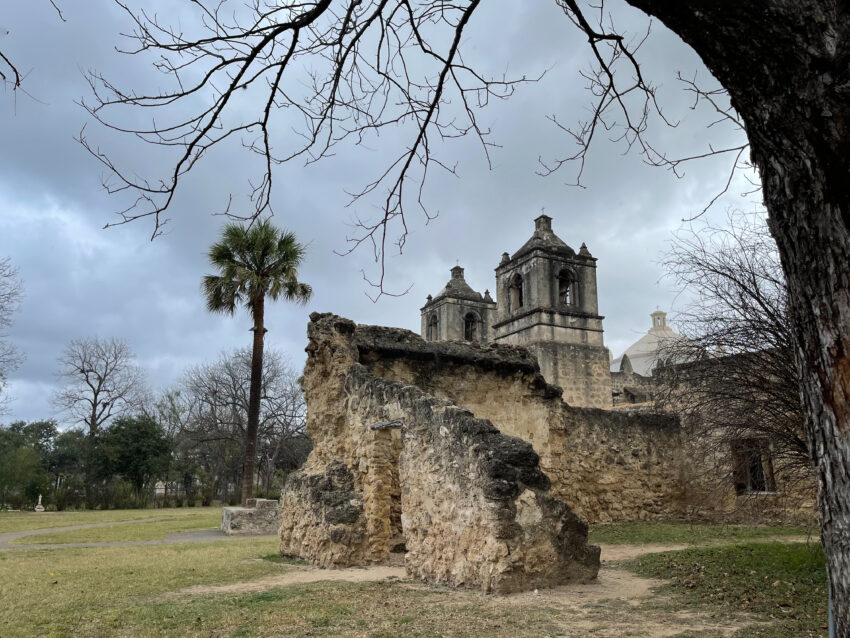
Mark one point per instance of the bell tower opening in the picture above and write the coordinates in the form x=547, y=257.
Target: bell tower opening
x=470, y=327
x=516, y=298
x=566, y=288
x=433, y=333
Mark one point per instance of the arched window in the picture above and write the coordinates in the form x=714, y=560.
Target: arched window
x=516, y=292
x=566, y=288
x=433, y=330
x=470, y=327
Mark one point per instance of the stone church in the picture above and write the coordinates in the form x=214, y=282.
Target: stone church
x=478, y=449
x=547, y=302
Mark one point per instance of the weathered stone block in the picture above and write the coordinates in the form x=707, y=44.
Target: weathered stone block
x=260, y=517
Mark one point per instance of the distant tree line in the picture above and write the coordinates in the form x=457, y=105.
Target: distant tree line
x=129, y=448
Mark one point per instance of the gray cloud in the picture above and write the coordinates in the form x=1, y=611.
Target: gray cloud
x=81, y=280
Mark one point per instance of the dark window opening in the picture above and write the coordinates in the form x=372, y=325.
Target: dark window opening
x=470, y=327
x=433, y=330
x=566, y=288
x=752, y=466
x=516, y=292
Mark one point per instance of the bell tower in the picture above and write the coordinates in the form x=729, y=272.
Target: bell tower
x=547, y=302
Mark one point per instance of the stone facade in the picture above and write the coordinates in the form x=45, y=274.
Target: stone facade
x=259, y=516
x=547, y=302
x=458, y=313
x=394, y=466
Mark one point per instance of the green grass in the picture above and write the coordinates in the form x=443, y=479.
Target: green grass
x=688, y=533
x=783, y=584
x=58, y=592
x=777, y=590
x=205, y=518
x=376, y=610
x=121, y=592
x=21, y=521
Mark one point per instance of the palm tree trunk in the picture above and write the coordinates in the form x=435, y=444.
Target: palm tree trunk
x=259, y=329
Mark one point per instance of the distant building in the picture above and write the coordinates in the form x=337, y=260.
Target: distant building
x=646, y=353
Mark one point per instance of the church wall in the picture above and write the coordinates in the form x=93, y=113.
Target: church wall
x=606, y=466
x=630, y=387
x=581, y=371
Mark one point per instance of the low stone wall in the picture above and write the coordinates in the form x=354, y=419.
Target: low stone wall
x=260, y=516
x=613, y=466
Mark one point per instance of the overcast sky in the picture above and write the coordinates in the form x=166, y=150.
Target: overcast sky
x=83, y=281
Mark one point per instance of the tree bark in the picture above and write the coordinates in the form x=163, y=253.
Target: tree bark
x=254, y=395
x=786, y=65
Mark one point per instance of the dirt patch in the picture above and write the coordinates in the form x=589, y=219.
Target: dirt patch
x=299, y=576
x=618, y=604
x=628, y=552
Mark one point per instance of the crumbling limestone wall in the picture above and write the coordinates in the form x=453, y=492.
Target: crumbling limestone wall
x=328, y=508
x=611, y=466
x=607, y=466
x=471, y=504
x=475, y=508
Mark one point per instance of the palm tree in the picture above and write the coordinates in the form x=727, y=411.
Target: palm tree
x=254, y=262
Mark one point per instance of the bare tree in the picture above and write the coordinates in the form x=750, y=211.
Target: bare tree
x=11, y=292
x=217, y=396
x=783, y=63
x=740, y=382
x=101, y=381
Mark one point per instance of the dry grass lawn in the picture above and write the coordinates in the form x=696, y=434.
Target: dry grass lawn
x=241, y=588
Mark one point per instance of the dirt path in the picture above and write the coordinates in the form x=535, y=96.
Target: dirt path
x=610, y=607
x=8, y=537
x=605, y=608
x=299, y=576
x=628, y=552
x=191, y=536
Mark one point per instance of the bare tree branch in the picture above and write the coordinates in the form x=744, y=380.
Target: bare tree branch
x=625, y=103
x=9, y=73
x=742, y=382
x=370, y=65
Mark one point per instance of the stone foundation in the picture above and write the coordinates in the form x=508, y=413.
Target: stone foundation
x=259, y=517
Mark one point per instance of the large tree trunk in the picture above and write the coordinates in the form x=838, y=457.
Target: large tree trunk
x=254, y=395
x=786, y=65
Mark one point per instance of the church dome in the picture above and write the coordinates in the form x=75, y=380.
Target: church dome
x=643, y=355
x=545, y=239
x=457, y=288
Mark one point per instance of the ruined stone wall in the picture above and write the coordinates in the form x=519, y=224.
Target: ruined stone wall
x=471, y=505
x=613, y=466
x=607, y=466
x=475, y=509
x=328, y=509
